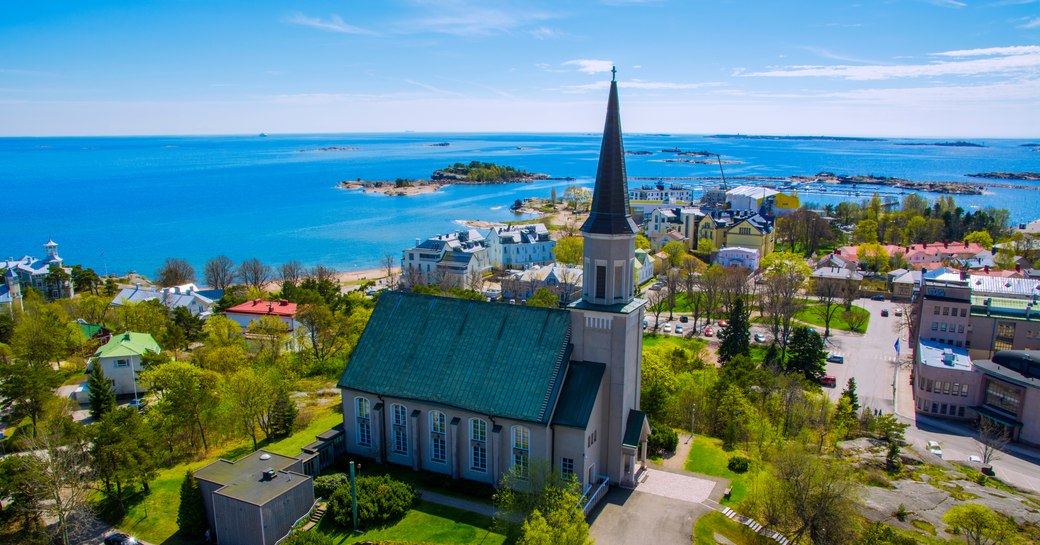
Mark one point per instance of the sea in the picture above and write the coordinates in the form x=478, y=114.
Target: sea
x=120, y=204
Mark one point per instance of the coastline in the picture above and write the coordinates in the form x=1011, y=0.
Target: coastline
x=390, y=189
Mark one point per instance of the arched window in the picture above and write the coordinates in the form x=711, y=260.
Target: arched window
x=478, y=443
x=438, y=444
x=364, y=422
x=521, y=451
x=400, y=425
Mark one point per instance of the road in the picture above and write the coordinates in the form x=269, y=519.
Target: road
x=869, y=357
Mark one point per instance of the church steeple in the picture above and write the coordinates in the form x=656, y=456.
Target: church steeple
x=610, y=214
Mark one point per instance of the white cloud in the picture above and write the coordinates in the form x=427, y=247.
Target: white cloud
x=460, y=18
x=947, y=3
x=334, y=24
x=996, y=60
x=591, y=66
x=1035, y=23
x=544, y=33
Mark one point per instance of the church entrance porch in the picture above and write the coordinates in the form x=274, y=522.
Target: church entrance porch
x=633, y=448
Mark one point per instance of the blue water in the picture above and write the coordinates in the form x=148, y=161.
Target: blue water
x=128, y=203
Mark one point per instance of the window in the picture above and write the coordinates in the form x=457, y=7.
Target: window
x=521, y=451
x=964, y=312
x=929, y=387
x=400, y=425
x=601, y=282
x=364, y=423
x=936, y=310
x=935, y=326
x=438, y=445
x=946, y=311
x=478, y=441
x=567, y=467
x=122, y=363
x=943, y=326
x=964, y=390
x=591, y=439
x=942, y=409
x=960, y=328
x=1003, y=396
x=946, y=388
x=960, y=410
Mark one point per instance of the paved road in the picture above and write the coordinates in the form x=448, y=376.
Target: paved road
x=629, y=516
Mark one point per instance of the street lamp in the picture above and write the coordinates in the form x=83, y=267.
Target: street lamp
x=353, y=492
x=693, y=422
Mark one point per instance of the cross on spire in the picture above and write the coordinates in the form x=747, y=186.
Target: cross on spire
x=613, y=73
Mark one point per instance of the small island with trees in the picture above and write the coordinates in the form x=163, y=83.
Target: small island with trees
x=473, y=173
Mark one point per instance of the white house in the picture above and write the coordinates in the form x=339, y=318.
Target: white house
x=251, y=311
x=198, y=302
x=564, y=281
x=452, y=258
x=33, y=272
x=736, y=256
x=644, y=267
x=120, y=360
x=520, y=246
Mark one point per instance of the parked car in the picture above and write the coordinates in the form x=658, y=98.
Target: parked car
x=645, y=324
x=884, y=313
x=684, y=319
x=121, y=539
x=934, y=448
x=898, y=311
x=760, y=337
x=813, y=331
x=708, y=332
x=829, y=381
x=835, y=358
x=667, y=328
x=975, y=459
x=678, y=329
x=878, y=298
x=723, y=323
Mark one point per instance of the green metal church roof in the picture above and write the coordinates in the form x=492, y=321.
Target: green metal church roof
x=128, y=344
x=494, y=359
x=579, y=394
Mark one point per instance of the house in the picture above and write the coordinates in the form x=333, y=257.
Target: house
x=834, y=259
x=563, y=281
x=846, y=281
x=452, y=259
x=735, y=256
x=121, y=361
x=671, y=194
x=251, y=311
x=199, y=302
x=745, y=229
x=904, y=284
x=256, y=499
x=932, y=255
x=473, y=390
x=682, y=221
x=520, y=246
x=33, y=272
x=644, y=267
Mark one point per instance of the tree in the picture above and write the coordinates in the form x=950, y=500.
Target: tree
x=283, y=414
x=85, y=280
x=562, y=525
x=642, y=243
x=544, y=298
x=828, y=295
x=175, y=272
x=42, y=336
x=191, y=513
x=856, y=318
x=873, y=257
x=783, y=275
x=393, y=272
x=570, y=250
x=811, y=497
x=189, y=323
x=186, y=393
x=850, y=393
x=121, y=449
x=251, y=395
x=145, y=317
x=300, y=537
x=327, y=333
x=292, y=273
x=736, y=337
x=806, y=354
x=102, y=394
x=57, y=279
x=269, y=333
x=866, y=232
x=255, y=273
x=982, y=238
x=676, y=252
x=980, y=525
x=540, y=487
x=219, y=272
x=656, y=301
x=58, y=458
x=577, y=197
x=993, y=437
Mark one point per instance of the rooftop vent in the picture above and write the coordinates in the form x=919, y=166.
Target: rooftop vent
x=269, y=474
x=948, y=356
x=265, y=456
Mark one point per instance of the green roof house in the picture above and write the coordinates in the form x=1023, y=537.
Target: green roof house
x=473, y=389
x=120, y=359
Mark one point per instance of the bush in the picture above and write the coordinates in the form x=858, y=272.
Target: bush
x=662, y=438
x=739, y=464
x=325, y=485
x=309, y=538
x=381, y=501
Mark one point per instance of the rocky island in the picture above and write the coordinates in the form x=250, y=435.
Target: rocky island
x=1029, y=176
x=956, y=144
x=951, y=188
x=474, y=173
x=330, y=148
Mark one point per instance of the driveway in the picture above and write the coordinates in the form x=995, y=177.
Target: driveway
x=631, y=516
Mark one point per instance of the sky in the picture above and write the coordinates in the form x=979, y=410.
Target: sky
x=911, y=68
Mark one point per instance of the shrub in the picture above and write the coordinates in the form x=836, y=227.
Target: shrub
x=309, y=538
x=325, y=485
x=381, y=500
x=662, y=438
x=901, y=513
x=739, y=464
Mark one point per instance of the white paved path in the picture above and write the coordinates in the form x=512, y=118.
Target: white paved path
x=676, y=486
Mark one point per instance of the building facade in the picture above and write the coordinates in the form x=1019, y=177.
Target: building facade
x=247, y=313
x=520, y=246
x=451, y=259
x=735, y=256
x=32, y=272
x=563, y=281
x=121, y=361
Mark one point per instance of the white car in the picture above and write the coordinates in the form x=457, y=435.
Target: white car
x=760, y=338
x=975, y=459
x=934, y=448
x=678, y=329
x=667, y=328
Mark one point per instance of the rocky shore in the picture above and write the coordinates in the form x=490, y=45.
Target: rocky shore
x=393, y=189
x=1029, y=176
x=950, y=188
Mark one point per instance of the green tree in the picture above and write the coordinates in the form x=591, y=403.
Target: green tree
x=283, y=414
x=570, y=250
x=57, y=278
x=980, y=525
x=873, y=257
x=676, y=252
x=544, y=298
x=145, y=317
x=111, y=287
x=187, y=394
x=300, y=537
x=812, y=497
x=85, y=280
x=982, y=238
x=736, y=337
x=191, y=513
x=866, y=232
x=327, y=333
x=122, y=449
x=102, y=394
x=642, y=243
x=850, y=393
x=251, y=396
x=806, y=354
x=561, y=524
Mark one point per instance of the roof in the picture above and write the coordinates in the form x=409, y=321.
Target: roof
x=609, y=214
x=259, y=307
x=521, y=234
x=128, y=344
x=243, y=478
x=1020, y=367
x=634, y=428
x=169, y=297
x=738, y=250
x=494, y=359
x=944, y=356
x=619, y=308
x=752, y=191
x=555, y=273
x=1014, y=287
x=908, y=277
x=838, y=273
x=578, y=394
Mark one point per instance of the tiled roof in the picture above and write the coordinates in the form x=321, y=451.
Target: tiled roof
x=259, y=307
x=128, y=344
x=578, y=394
x=494, y=359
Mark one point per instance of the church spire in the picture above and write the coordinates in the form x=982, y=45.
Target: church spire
x=610, y=215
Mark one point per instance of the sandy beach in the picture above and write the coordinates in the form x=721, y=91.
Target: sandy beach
x=365, y=274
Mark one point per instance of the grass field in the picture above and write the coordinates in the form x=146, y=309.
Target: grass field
x=708, y=457
x=153, y=516
x=706, y=527
x=811, y=316
x=425, y=523
x=670, y=341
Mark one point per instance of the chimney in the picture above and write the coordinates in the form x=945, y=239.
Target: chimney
x=985, y=268
x=946, y=245
x=137, y=285
x=964, y=274
x=417, y=242
x=283, y=302
x=1018, y=268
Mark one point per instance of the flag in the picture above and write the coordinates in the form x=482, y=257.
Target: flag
x=897, y=347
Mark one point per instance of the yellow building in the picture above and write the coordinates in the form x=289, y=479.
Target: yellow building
x=729, y=228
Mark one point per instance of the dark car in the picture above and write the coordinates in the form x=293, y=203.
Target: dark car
x=684, y=319
x=884, y=313
x=120, y=539
x=878, y=298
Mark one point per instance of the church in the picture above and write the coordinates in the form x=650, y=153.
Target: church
x=474, y=390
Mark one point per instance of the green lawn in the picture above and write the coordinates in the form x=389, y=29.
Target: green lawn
x=708, y=457
x=670, y=341
x=425, y=523
x=706, y=527
x=810, y=316
x=153, y=517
